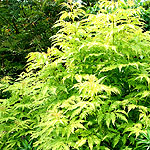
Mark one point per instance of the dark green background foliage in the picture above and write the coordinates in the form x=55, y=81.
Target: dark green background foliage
x=89, y=91
x=25, y=27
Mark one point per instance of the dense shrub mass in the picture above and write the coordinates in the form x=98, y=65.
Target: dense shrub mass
x=90, y=91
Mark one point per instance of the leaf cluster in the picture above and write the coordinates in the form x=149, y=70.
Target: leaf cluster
x=90, y=90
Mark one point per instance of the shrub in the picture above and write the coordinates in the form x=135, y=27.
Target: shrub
x=89, y=91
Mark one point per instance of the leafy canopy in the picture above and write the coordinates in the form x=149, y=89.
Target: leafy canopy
x=90, y=90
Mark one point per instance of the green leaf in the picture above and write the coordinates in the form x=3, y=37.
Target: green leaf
x=116, y=140
x=81, y=142
x=90, y=142
x=78, y=78
x=108, y=119
x=121, y=116
x=113, y=118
